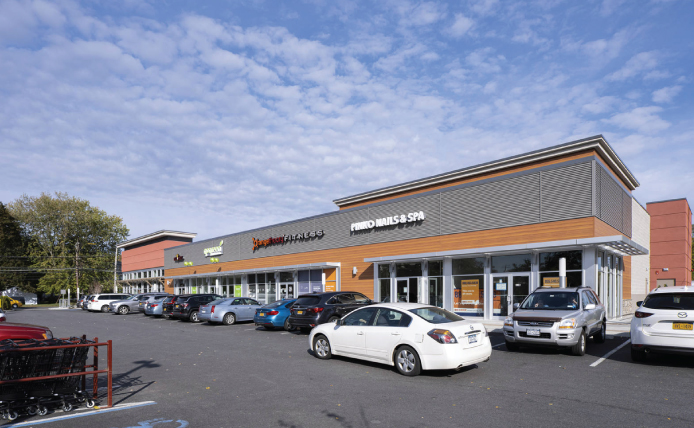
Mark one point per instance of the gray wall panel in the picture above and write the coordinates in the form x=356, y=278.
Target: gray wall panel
x=567, y=192
x=337, y=229
x=429, y=227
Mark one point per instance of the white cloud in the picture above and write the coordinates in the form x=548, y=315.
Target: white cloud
x=665, y=95
x=483, y=7
x=642, y=119
x=608, y=7
x=421, y=14
x=635, y=65
x=460, y=26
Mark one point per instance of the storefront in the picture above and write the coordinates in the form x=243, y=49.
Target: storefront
x=473, y=241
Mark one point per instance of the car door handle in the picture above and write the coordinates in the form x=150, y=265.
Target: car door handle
x=395, y=334
x=360, y=333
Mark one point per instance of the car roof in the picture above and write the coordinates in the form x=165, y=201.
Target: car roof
x=327, y=293
x=677, y=289
x=401, y=305
x=555, y=289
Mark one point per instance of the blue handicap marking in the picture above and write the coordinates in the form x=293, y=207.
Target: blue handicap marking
x=151, y=423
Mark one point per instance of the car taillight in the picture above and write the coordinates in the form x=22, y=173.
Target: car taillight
x=638, y=314
x=442, y=336
x=212, y=311
x=273, y=313
x=291, y=310
x=153, y=305
x=315, y=310
x=93, y=300
x=185, y=305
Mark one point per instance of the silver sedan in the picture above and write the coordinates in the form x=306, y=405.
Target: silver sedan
x=229, y=311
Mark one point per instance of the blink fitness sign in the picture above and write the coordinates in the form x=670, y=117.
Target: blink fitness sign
x=389, y=221
x=257, y=243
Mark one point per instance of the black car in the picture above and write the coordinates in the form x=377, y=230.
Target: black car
x=309, y=310
x=167, y=309
x=186, y=306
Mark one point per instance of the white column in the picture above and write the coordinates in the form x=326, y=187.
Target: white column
x=590, y=272
x=424, y=288
x=377, y=288
x=448, y=283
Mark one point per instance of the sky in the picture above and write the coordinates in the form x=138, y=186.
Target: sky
x=221, y=116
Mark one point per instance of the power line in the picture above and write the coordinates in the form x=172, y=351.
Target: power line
x=20, y=269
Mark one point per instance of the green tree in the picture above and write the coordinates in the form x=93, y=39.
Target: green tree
x=13, y=252
x=69, y=240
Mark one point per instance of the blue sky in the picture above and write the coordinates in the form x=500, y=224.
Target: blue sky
x=215, y=117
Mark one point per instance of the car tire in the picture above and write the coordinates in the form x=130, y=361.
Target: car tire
x=229, y=319
x=407, y=361
x=638, y=355
x=104, y=308
x=511, y=346
x=123, y=310
x=601, y=335
x=14, y=306
x=579, y=349
x=288, y=326
x=321, y=347
x=333, y=318
x=194, y=317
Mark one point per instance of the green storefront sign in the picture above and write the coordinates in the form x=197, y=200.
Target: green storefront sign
x=237, y=291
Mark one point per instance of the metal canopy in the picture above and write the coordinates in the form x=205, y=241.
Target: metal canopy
x=259, y=270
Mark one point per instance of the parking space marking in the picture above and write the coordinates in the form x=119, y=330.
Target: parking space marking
x=498, y=344
x=609, y=354
x=115, y=408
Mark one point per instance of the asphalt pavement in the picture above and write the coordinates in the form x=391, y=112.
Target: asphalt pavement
x=180, y=374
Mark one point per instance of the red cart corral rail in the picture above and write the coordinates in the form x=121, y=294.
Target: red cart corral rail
x=95, y=372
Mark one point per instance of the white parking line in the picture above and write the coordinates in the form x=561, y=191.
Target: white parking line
x=498, y=344
x=609, y=354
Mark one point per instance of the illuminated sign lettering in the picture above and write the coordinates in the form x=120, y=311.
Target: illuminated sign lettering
x=214, y=251
x=257, y=243
x=388, y=221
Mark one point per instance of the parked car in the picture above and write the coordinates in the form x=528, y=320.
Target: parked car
x=149, y=297
x=14, y=303
x=557, y=317
x=17, y=331
x=167, y=310
x=187, y=308
x=131, y=304
x=3, y=317
x=410, y=336
x=156, y=307
x=664, y=323
x=314, y=309
x=229, y=310
x=81, y=300
x=101, y=302
x=275, y=314
x=85, y=303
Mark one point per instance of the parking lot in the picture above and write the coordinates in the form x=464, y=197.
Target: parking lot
x=243, y=376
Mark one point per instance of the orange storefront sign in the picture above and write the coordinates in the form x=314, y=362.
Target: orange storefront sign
x=467, y=294
x=552, y=282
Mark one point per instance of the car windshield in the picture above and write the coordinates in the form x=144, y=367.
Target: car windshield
x=132, y=298
x=217, y=302
x=436, y=315
x=273, y=305
x=677, y=301
x=556, y=300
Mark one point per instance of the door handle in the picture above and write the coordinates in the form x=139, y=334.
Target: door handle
x=395, y=334
x=360, y=333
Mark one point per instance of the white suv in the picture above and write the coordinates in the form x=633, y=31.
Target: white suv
x=664, y=322
x=101, y=302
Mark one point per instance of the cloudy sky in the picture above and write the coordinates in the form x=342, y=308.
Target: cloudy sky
x=215, y=116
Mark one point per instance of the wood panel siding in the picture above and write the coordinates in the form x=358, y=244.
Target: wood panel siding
x=603, y=229
x=626, y=279
x=350, y=257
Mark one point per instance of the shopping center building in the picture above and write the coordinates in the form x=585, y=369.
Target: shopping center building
x=473, y=241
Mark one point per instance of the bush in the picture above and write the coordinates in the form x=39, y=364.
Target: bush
x=5, y=303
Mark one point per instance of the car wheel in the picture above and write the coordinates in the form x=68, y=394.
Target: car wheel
x=600, y=336
x=638, y=355
x=407, y=361
x=229, y=319
x=123, y=310
x=512, y=347
x=288, y=326
x=104, y=308
x=333, y=318
x=579, y=349
x=194, y=317
x=321, y=347
x=14, y=306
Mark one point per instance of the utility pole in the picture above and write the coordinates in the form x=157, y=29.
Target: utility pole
x=115, y=272
x=77, y=267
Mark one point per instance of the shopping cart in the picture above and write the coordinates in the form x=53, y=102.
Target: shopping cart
x=38, y=375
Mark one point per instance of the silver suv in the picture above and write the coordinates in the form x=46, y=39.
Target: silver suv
x=131, y=304
x=557, y=317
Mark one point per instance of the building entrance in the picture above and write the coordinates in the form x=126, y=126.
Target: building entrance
x=407, y=290
x=507, y=290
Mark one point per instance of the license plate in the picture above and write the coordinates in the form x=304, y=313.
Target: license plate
x=261, y=314
x=533, y=332
x=472, y=339
x=300, y=312
x=682, y=326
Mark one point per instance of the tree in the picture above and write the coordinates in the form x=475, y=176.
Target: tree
x=69, y=240
x=13, y=252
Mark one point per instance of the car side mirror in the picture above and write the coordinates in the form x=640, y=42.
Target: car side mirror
x=639, y=303
x=516, y=306
x=589, y=306
x=340, y=322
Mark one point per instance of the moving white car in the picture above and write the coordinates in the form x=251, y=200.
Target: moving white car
x=410, y=336
x=664, y=323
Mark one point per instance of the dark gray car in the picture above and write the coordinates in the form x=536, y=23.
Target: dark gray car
x=557, y=317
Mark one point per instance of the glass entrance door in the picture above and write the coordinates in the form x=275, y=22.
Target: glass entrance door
x=407, y=290
x=286, y=290
x=521, y=288
x=436, y=292
x=507, y=290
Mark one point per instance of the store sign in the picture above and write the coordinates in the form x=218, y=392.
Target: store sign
x=468, y=295
x=214, y=251
x=179, y=258
x=257, y=243
x=238, y=290
x=388, y=221
x=552, y=282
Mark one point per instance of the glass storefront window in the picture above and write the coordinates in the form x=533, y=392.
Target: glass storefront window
x=468, y=294
x=468, y=266
x=403, y=270
x=286, y=276
x=384, y=271
x=512, y=263
x=550, y=261
x=573, y=279
x=384, y=285
x=435, y=268
x=251, y=291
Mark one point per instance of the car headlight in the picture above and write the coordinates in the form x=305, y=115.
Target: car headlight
x=570, y=323
x=508, y=322
x=48, y=335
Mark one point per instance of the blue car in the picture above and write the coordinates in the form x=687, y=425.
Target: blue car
x=275, y=314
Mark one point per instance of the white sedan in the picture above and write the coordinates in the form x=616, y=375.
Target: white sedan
x=664, y=322
x=410, y=336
